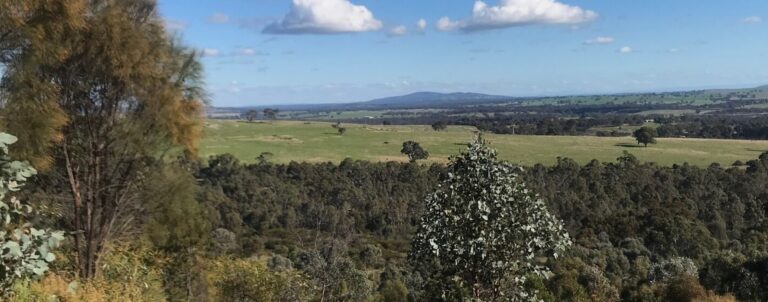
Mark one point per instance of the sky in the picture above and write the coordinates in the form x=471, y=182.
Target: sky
x=270, y=52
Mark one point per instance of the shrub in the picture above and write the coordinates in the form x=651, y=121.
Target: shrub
x=246, y=280
x=25, y=250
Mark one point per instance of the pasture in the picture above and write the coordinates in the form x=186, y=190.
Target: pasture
x=318, y=142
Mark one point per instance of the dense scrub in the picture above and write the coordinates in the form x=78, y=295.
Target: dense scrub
x=748, y=125
x=632, y=223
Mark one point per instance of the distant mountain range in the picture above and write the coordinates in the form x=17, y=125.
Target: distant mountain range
x=420, y=99
x=436, y=99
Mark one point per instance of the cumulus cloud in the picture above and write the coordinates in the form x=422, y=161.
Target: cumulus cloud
x=599, y=40
x=211, y=52
x=510, y=13
x=421, y=24
x=752, y=20
x=173, y=25
x=398, y=31
x=248, y=52
x=324, y=17
x=626, y=49
x=446, y=24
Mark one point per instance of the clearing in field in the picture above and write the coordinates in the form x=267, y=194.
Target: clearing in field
x=319, y=142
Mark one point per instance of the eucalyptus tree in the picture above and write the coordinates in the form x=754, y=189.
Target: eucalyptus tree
x=96, y=100
x=484, y=232
x=271, y=113
x=251, y=115
x=645, y=135
x=414, y=151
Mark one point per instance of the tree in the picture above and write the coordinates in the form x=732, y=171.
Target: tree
x=645, y=135
x=271, y=113
x=100, y=112
x=251, y=115
x=439, y=126
x=25, y=250
x=414, y=151
x=335, y=275
x=484, y=228
x=342, y=130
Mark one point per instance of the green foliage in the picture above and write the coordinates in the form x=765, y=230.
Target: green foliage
x=98, y=110
x=271, y=113
x=251, y=115
x=335, y=276
x=25, y=250
x=624, y=216
x=133, y=271
x=130, y=272
x=414, y=151
x=247, y=280
x=484, y=227
x=393, y=291
x=645, y=135
x=176, y=221
x=439, y=126
x=677, y=267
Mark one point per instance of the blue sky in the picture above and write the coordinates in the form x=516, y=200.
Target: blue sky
x=262, y=52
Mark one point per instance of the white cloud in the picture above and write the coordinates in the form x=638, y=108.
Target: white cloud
x=173, y=25
x=324, y=17
x=446, y=24
x=248, y=52
x=510, y=13
x=599, y=40
x=673, y=50
x=752, y=20
x=421, y=24
x=626, y=49
x=211, y=52
x=398, y=31
x=218, y=18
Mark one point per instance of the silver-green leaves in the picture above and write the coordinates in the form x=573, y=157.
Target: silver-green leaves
x=485, y=228
x=25, y=251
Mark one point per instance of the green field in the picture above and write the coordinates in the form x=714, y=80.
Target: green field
x=318, y=142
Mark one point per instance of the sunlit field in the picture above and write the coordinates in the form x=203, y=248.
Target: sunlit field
x=286, y=141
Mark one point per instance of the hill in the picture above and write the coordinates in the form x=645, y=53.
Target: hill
x=426, y=99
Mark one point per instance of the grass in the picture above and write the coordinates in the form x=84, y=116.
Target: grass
x=318, y=142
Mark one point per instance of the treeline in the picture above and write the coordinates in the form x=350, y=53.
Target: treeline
x=553, y=125
x=727, y=127
x=630, y=221
x=697, y=126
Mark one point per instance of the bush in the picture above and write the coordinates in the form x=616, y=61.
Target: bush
x=245, y=280
x=130, y=273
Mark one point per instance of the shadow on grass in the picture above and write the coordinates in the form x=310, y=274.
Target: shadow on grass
x=756, y=150
x=628, y=145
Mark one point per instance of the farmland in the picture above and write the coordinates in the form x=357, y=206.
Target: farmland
x=285, y=141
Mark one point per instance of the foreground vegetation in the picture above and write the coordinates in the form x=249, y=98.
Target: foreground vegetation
x=286, y=141
x=117, y=214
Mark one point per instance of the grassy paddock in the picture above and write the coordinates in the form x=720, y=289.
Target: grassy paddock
x=319, y=142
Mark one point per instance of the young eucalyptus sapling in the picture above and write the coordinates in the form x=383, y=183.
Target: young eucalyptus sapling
x=25, y=250
x=484, y=231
